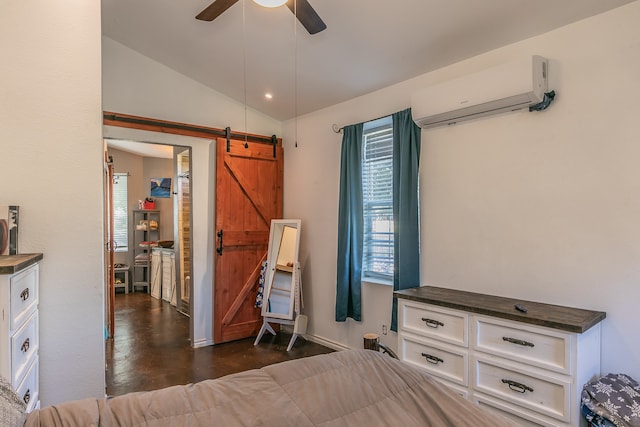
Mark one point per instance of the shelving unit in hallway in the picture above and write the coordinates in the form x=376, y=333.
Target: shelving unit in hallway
x=146, y=232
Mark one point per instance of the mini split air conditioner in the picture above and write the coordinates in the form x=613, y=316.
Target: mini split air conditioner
x=507, y=87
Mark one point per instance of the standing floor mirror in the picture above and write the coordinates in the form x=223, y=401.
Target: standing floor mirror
x=282, y=292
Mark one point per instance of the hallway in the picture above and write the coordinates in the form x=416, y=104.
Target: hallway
x=151, y=349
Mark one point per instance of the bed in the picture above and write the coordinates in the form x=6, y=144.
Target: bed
x=346, y=388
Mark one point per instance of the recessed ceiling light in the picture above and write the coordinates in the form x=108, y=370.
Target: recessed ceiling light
x=268, y=96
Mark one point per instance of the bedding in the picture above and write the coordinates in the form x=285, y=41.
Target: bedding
x=346, y=388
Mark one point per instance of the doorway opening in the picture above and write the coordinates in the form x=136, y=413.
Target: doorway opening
x=155, y=218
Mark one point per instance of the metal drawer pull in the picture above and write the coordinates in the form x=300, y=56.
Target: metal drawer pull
x=27, y=397
x=519, y=342
x=432, y=359
x=24, y=295
x=25, y=346
x=432, y=323
x=516, y=386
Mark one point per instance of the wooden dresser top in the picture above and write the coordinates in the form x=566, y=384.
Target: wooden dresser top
x=552, y=316
x=10, y=264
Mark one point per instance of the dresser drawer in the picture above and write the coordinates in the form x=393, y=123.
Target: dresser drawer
x=521, y=416
x=24, y=295
x=24, y=348
x=28, y=389
x=529, y=344
x=442, y=360
x=435, y=322
x=523, y=386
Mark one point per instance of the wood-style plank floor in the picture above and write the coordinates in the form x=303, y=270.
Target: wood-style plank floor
x=151, y=349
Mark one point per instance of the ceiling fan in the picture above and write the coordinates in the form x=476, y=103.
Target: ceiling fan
x=301, y=8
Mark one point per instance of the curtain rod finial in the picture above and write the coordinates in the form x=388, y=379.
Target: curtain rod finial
x=336, y=129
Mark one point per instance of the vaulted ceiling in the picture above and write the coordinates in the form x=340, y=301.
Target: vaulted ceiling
x=250, y=50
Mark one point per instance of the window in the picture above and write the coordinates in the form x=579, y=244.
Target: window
x=120, y=212
x=377, y=193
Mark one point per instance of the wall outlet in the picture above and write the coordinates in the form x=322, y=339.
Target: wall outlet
x=384, y=329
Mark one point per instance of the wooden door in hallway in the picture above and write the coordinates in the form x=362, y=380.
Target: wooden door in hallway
x=248, y=196
x=110, y=291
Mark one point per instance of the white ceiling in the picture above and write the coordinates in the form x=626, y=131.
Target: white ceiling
x=367, y=45
x=143, y=149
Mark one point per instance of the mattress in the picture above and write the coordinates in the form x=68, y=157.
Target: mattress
x=347, y=388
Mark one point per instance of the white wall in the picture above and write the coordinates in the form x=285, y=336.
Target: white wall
x=135, y=84
x=51, y=165
x=539, y=206
x=159, y=168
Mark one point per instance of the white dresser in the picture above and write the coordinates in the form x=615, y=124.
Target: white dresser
x=530, y=366
x=19, y=277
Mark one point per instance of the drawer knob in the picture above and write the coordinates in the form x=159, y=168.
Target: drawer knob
x=25, y=346
x=24, y=295
x=516, y=386
x=432, y=323
x=519, y=342
x=27, y=396
x=432, y=359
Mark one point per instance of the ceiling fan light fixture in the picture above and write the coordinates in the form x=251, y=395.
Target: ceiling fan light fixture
x=270, y=3
x=300, y=8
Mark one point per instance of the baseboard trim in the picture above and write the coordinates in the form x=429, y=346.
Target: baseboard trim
x=202, y=343
x=326, y=342
x=309, y=337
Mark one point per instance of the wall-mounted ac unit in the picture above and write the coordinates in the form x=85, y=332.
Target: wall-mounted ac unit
x=506, y=87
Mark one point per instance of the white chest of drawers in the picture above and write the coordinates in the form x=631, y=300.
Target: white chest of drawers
x=19, y=279
x=529, y=366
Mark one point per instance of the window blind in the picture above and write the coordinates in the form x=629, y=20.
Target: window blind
x=120, y=212
x=377, y=186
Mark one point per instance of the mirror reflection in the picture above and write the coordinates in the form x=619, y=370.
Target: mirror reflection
x=281, y=260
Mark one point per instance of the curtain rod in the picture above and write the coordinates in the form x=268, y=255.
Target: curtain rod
x=337, y=129
x=194, y=128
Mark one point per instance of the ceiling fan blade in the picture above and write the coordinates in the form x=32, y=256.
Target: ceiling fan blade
x=306, y=15
x=215, y=9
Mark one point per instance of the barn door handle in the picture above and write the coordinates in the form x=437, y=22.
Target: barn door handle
x=219, y=248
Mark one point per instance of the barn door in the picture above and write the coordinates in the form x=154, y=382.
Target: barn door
x=248, y=197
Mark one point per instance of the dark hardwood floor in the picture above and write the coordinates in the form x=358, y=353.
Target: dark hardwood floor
x=151, y=349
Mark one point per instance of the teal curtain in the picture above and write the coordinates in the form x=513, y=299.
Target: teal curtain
x=350, y=227
x=406, y=206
